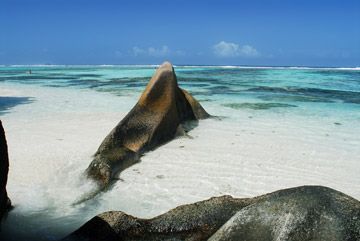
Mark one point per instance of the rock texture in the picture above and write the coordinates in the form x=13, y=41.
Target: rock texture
x=305, y=213
x=4, y=168
x=154, y=120
x=302, y=213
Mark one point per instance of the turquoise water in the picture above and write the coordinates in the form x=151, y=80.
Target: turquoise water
x=282, y=127
x=232, y=87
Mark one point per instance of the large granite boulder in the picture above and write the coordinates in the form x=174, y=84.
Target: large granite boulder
x=301, y=213
x=5, y=203
x=305, y=213
x=154, y=120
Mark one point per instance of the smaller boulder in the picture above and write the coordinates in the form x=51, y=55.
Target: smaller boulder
x=196, y=221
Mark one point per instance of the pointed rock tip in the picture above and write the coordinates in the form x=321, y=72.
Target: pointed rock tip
x=166, y=65
x=161, y=82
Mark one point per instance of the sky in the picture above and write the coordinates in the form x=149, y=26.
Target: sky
x=212, y=32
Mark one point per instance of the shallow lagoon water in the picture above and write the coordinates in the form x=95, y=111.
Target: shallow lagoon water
x=279, y=128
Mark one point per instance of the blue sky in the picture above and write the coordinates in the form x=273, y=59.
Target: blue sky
x=224, y=32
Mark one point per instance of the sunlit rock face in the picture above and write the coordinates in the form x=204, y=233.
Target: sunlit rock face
x=154, y=120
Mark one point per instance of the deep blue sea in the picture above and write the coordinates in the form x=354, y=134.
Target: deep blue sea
x=279, y=127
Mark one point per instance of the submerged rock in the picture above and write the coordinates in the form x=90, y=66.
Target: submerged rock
x=301, y=213
x=257, y=106
x=5, y=203
x=154, y=120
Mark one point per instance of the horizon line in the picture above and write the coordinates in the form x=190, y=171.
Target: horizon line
x=187, y=65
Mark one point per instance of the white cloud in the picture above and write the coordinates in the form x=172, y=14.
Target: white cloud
x=154, y=52
x=227, y=49
x=137, y=51
x=248, y=50
x=164, y=50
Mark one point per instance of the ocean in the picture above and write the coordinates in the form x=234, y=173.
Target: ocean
x=276, y=127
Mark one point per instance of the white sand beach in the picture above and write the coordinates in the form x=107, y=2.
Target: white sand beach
x=51, y=142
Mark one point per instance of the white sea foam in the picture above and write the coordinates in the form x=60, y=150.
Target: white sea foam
x=268, y=67
x=289, y=67
x=347, y=68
